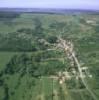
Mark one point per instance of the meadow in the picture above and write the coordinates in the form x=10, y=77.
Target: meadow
x=27, y=68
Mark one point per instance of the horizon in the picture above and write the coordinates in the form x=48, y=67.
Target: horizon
x=75, y=9
x=63, y=4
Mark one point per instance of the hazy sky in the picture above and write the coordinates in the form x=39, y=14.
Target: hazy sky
x=82, y=4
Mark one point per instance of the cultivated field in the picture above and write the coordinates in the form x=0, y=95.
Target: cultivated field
x=32, y=65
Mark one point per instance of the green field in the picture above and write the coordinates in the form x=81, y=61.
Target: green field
x=29, y=70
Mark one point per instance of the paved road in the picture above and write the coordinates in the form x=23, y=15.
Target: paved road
x=81, y=75
x=68, y=48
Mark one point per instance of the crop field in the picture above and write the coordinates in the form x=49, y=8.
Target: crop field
x=35, y=62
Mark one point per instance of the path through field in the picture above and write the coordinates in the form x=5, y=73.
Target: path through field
x=68, y=48
x=55, y=90
x=81, y=75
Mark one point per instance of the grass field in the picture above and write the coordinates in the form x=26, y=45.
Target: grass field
x=22, y=85
x=4, y=58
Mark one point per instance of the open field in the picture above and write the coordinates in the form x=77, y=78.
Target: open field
x=29, y=70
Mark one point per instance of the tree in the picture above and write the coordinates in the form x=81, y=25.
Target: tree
x=6, y=92
x=52, y=39
x=38, y=27
x=59, y=27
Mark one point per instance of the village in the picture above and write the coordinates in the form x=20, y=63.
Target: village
x=74, y=71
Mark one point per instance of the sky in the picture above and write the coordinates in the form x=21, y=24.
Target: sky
x=69, y=4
